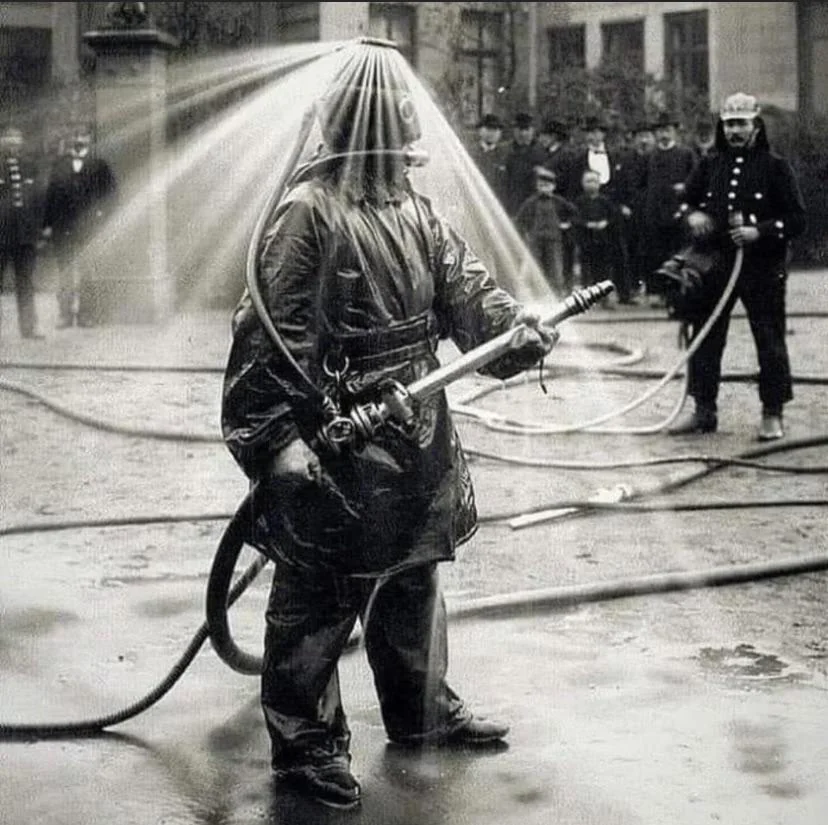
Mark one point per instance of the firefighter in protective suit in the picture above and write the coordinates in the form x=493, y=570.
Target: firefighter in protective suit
x=361, y=279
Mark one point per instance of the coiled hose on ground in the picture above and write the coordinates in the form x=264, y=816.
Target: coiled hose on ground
x=222, y=592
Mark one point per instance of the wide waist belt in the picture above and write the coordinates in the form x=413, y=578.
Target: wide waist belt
x=383, y=346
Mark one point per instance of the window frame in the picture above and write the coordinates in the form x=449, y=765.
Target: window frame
x=610, y=26
x=577, y=29
x=681, y=63
x=387, y=13
x=484, y=57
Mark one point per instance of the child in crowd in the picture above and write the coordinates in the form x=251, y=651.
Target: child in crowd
x=596, y=223
x=543, y=219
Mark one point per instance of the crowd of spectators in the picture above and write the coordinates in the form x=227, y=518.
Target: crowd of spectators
x=594, y=202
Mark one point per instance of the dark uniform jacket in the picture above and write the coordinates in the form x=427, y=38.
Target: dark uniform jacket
x=21, y=200
x=366, y=287
x=756, y=182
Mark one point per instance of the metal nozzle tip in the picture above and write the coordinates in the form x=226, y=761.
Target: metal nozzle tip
x=377, y=41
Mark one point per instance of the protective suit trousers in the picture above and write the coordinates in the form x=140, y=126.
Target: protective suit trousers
x=762, y=292
x=309, y=619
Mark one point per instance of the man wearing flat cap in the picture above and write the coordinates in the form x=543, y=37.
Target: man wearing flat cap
x=744, y=196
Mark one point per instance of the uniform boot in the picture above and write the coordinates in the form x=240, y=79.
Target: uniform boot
x=702, y=420
x=770, y=428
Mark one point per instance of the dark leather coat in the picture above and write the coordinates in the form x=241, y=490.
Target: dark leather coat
x=370, y=284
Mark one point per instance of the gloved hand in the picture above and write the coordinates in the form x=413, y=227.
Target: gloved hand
x=296, y=462
x=297, y=471
x=700, y=224
x=534, y=334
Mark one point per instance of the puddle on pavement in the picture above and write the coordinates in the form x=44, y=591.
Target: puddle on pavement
x=745, y=663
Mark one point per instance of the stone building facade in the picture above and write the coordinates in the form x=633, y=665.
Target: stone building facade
x=473, y=54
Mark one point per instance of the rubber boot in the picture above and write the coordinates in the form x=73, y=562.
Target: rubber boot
x=702, y=420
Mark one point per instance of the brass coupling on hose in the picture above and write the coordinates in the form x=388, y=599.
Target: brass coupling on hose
x=360, y=424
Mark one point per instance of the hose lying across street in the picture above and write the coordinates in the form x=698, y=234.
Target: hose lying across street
x=222, y=591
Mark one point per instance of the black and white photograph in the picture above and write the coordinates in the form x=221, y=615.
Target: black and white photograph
x=413, y=413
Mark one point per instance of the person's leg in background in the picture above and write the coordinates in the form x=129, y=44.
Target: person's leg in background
x=24, y=257
x=67, y=290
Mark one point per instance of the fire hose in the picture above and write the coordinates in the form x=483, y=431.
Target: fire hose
x=350, y=429
x=507, y=425
x=398, y=403
x=221, y=595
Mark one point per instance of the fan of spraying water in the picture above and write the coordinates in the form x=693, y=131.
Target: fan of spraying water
x=374, y=120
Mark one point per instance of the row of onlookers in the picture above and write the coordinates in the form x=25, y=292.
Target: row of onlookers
x=606, y=211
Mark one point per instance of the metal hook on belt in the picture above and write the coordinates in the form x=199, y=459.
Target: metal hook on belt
x=338, y=373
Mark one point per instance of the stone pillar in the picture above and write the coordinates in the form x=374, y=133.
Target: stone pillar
x=132, y=282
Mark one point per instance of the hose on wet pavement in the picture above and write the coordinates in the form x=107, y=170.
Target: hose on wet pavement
x=222, y=593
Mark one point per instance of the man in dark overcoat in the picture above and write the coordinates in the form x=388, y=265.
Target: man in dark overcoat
x=668, y=166
x=524, y=155
x=80, y=197
x=489, y=153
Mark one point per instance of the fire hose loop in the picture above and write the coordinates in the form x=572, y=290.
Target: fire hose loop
x=513, y=426
x=221, y=596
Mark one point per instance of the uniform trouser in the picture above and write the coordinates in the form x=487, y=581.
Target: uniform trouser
x=762, y=292
x=568, y=248
x=309, y=619
x=74, y=295
x=596, y=262
x=22, y=257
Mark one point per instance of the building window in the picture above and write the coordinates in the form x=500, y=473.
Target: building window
x=298, y=22
x=686, y=51
x=397, y=22
x=622, y=44
x=25, y=64
x=567, y=47
x=480, y=55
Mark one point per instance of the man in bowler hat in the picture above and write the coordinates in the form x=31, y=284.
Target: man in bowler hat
x=525, y=153
x=489, y=153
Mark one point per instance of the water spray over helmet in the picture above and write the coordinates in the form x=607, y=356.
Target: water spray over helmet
x=368, y=107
